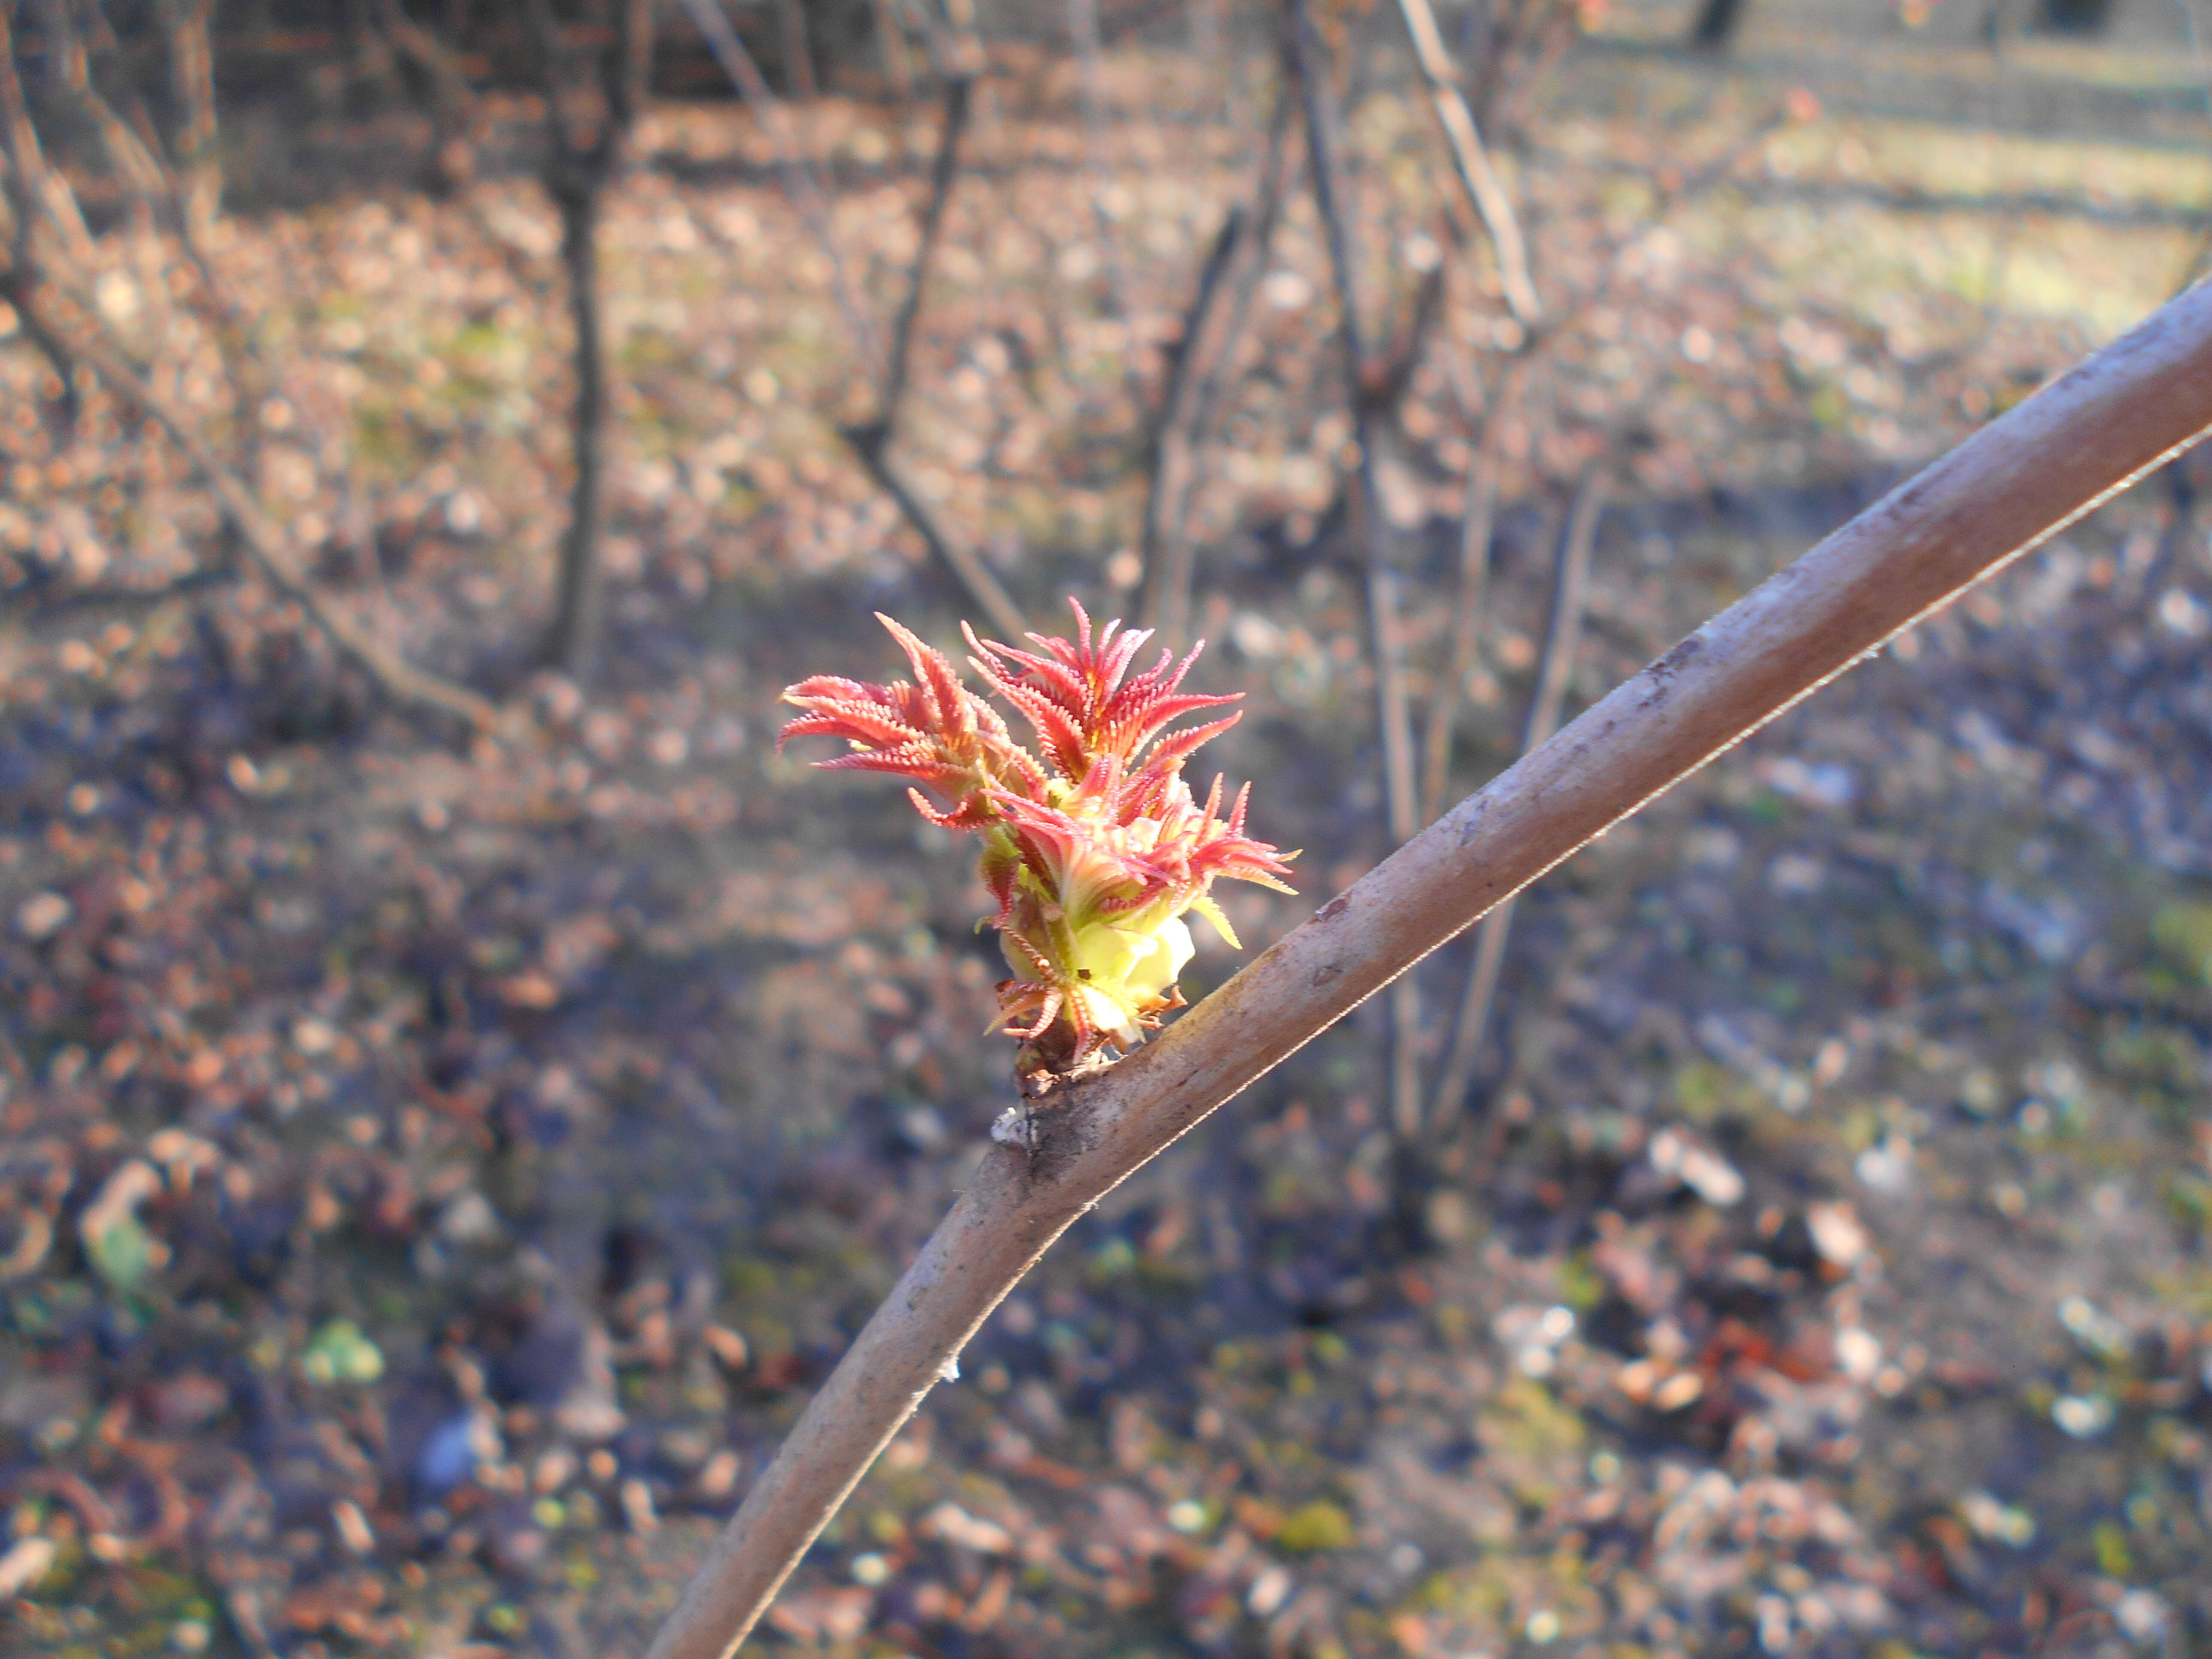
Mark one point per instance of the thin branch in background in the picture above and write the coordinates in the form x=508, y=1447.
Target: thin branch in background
x=1169, y=572
x=1478, y=525
x=584, y=156
x=33, y=191
x=1168, y=451
x=2004, y=491
x=46, y=189
x=267, y=546
x=185, y=23
x=944, y=172
x=890, y=41
x=38, y=196
x=1393, y=713
x=1569, y=584
x=798, y=181
x=1083, y=31
x=1471, y=161
x=452, y=101
x=797, y=55
x=939, y=46
x=147, y=183
x=1323, y=144
x=871, y=439
x=1390, y=378
x=135, y=168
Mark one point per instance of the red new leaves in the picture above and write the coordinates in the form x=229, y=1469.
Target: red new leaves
x=1095, y=854
x=937, y=730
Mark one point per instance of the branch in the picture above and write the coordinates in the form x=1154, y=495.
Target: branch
x=870, y=443
x=452, y=100
x=140, y=174
x=1083, y=35
x=1570, y=578
x=266, y=546
x=871, y=439
x=798, y=182
x=26, y=162
x=1478, y=523
x=1168, y=597
x=798, y=58
x=1323, y=145
x=2021, y=478
x=30, y=191
x=191, y=69
x=1169, y=447
x=898, y=69
x=945, y=169
x=1471, y=161
x=1393, y=712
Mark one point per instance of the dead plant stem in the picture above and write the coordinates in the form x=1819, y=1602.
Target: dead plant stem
x=798, y=180
x=1471, y=162
x=1324, y=157
x=1477, y=528
x=870, y=440
x=1555, y=674
x=1168, y=450
x=1172, y=574
x=268, y=549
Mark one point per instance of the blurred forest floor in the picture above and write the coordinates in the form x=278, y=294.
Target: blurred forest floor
x=433, y=1179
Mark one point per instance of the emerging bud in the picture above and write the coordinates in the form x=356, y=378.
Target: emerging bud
x=1096, y=853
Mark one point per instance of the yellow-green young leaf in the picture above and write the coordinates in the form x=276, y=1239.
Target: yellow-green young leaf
x=1204, y=905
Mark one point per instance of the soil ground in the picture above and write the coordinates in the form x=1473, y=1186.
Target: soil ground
x=434, y=1176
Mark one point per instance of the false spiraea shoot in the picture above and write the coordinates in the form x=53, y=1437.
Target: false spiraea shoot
x=1093, y=845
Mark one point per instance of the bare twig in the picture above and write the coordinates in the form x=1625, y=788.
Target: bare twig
x=890, y=41
x=1169, y=449
x=1553, y=674
x=1477, y=528
x=42, y=186
x=199, y=163
x=1322, y=147
x=270, y=550
x=798, y=55
x=33, y=191
x=38, y=195
x=965, y=48
x=2022, y=477
x=1471, y=161
x=982, y=585
x=1393, y=712
x=586, y=141
x=871, y=439
x=452, y=100
x=1169, y=572
x=19, y=288
x=798, y=180
x=135, y=167
x=1082, y=32
x=945, y=170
